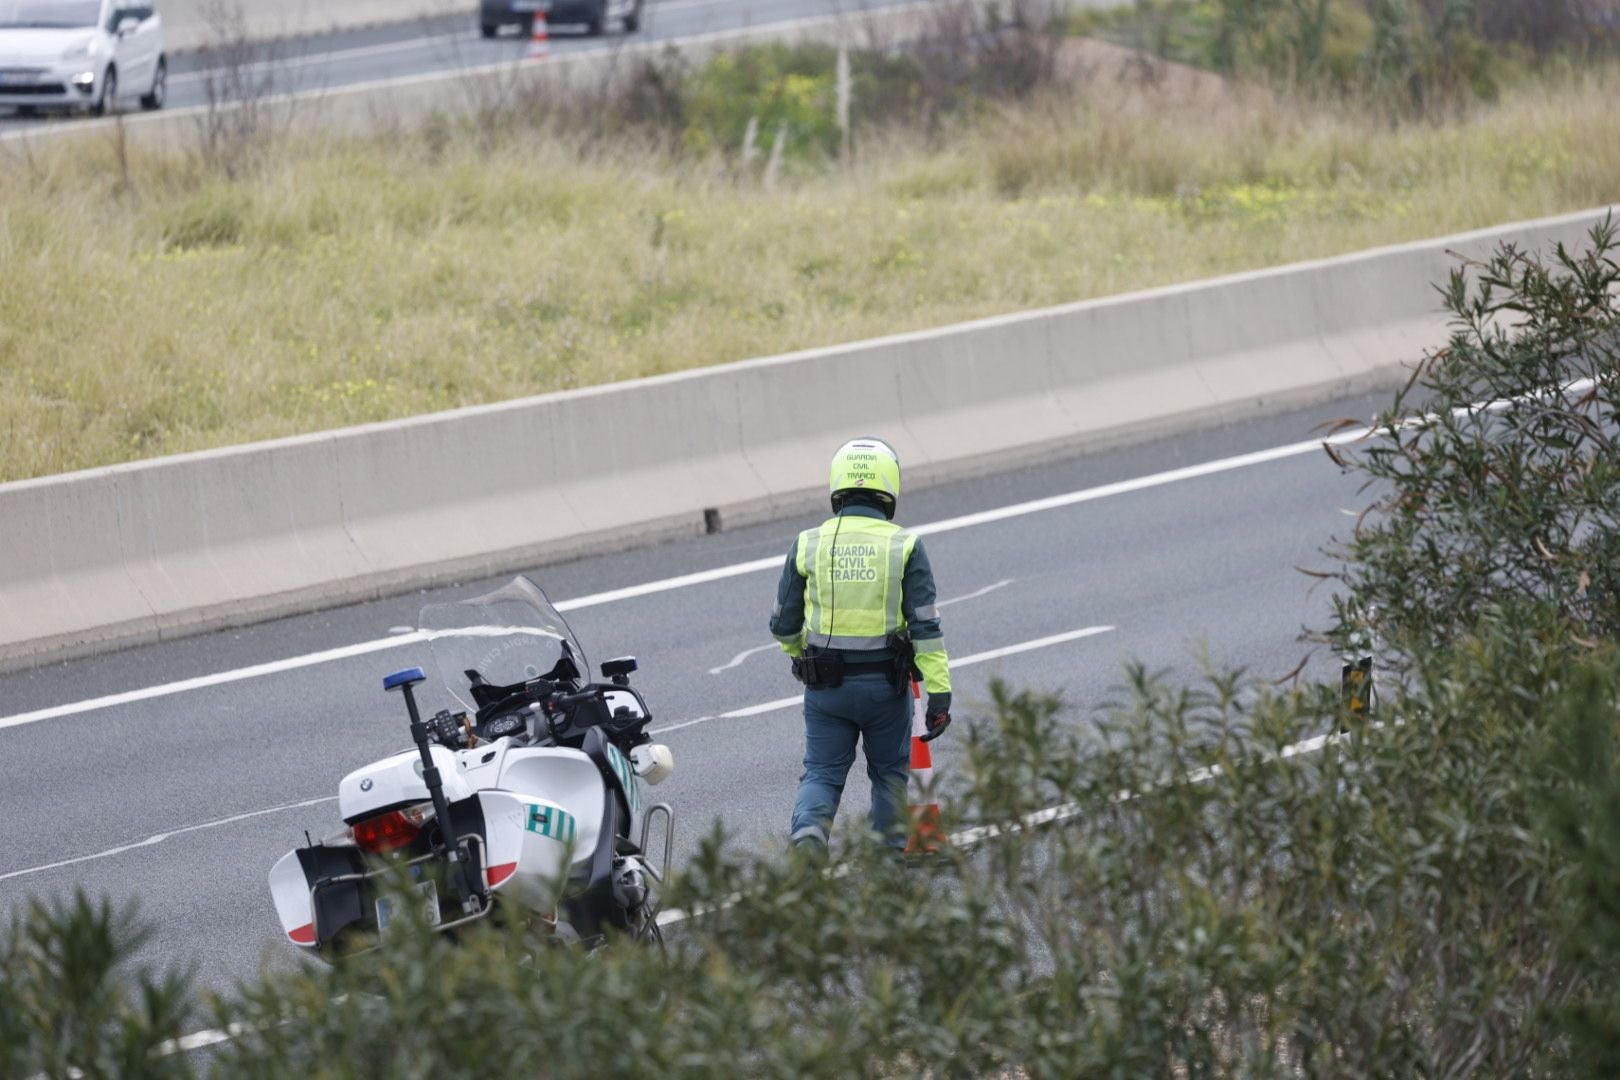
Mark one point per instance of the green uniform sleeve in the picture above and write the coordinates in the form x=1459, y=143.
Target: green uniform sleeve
x=787, y=617
x=917, y=605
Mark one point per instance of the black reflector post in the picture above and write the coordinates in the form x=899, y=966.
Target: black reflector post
x=1356, y=689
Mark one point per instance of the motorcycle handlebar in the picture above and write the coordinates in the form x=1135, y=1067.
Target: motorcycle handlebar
x=568, y=701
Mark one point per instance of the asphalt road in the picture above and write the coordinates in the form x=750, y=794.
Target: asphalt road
x=322, y=63
x=185, y=799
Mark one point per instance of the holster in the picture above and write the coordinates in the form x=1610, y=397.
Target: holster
x=819, y=671
x=905, y=660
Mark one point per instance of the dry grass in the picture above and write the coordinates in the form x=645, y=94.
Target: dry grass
x=357, y=281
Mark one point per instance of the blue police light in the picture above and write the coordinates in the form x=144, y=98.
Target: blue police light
x=404, y=678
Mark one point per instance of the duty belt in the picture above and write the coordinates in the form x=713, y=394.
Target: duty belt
x=826, y=671
x=870, y=667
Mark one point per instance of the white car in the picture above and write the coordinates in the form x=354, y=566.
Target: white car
x=80, y=55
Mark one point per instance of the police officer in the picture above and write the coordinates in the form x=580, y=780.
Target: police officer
x=855, y=611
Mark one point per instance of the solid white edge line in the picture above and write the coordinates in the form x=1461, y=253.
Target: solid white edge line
x=273, y=667
x=751, y=710
x=682, y=581
x=702, y=577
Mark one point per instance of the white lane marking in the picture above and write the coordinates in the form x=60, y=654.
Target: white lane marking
x=682, y=581
x=966, y=661
x=271, y=668
x=158, y=838
x=737, y=660
x=1140, y=483
x=402, y=629
x=966, y=521
x=735, y=714
x=1029, y=646
x=986, y=591
x=704, y=577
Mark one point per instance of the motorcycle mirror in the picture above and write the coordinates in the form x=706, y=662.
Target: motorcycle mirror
x=619, y=670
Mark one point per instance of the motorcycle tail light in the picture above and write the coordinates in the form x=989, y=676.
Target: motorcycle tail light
x=385, y=832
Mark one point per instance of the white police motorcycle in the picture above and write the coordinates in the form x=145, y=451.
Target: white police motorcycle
x=524, y=800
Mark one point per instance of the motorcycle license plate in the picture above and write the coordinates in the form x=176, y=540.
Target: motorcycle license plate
x=430, y=905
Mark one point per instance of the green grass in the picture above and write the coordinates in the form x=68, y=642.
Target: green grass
x=344, y=282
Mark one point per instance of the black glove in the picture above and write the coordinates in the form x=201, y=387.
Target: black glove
x=937, y=717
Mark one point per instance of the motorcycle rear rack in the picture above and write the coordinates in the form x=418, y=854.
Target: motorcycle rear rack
x=470, y=841
x=659, y=873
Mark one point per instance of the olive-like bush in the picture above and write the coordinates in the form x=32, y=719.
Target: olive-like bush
x=1221, y=879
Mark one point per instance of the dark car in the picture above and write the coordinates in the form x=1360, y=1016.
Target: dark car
x=592, y=14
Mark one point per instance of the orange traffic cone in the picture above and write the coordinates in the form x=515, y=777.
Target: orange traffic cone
x=540, y=39
x=926, y=831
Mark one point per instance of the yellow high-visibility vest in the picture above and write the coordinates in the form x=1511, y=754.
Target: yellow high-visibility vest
x=853, y=567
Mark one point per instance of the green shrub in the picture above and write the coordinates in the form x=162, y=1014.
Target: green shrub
x=71, y=1002
x=951, y=69
x=1222, y=879
x=1410, y=55
x=1484, y=510
x=1583, y=815
x=1216, y=898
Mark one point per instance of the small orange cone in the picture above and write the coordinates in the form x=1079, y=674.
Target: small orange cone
x=926, y=831
x=540, y=39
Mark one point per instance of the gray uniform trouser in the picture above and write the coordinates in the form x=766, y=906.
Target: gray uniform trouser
x=868, y=709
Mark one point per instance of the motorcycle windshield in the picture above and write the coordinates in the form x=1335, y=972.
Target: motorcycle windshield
x=509, y=636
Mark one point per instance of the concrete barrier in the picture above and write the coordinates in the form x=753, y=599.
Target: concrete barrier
x=162, y=548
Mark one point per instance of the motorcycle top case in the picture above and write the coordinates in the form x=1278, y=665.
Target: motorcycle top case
x=396, y=782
